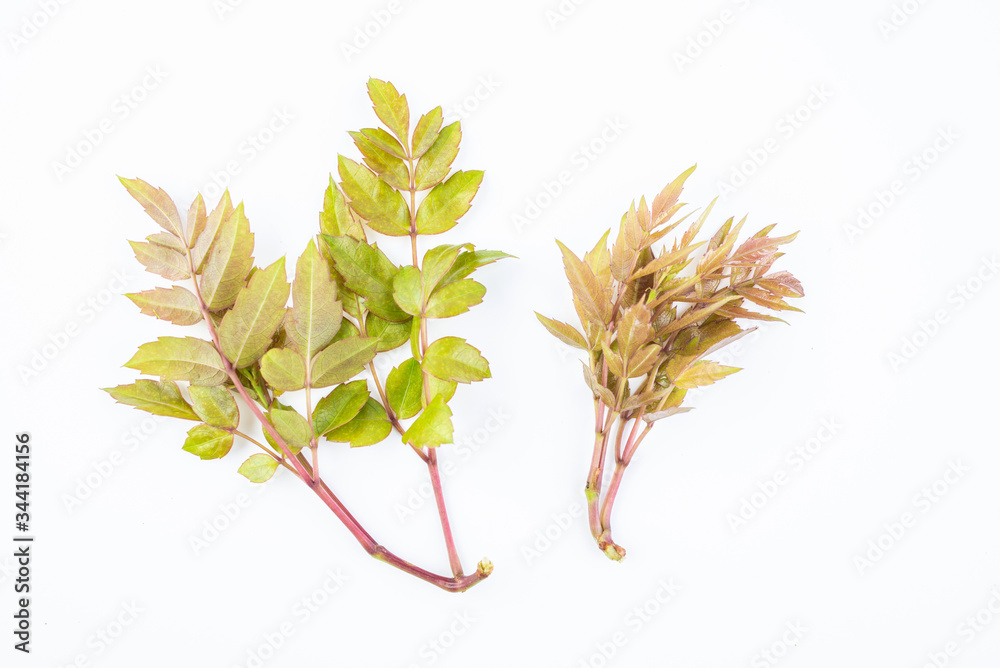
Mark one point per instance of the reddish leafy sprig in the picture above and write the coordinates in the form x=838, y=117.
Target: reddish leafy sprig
x=350, y=302
x=649, y=319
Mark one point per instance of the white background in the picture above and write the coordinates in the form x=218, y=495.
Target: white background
x=531, y=91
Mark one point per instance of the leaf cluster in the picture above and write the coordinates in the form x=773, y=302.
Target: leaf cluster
x=651, y=312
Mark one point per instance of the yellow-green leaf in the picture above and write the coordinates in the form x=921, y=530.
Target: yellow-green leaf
x=215, y=406
x=228, y=262
x=157, y=204
x=390, y=107
x=247, y=329
x=454, y=298
x=703, y=373
x=292, y=427
x=436, y=386
x=340, y=406
x=315, y=316
x=219, y=215
x=433, y=166
x=390, y=335
x=174, y=358
x=447, y=202
x=342, y=360
x=368, y=272
x=452, y=359
x=407, y=290
x=208, y=442
x=258, y=467
x=283, y=369
x=177, y=305
x=153, y=396
x=371, y=425
x=157, y=259
x=335, y=219
x=404, y=389
x=426, y=132
x=433, y=427
x=374, y=199
x=196, y=219
x=389, y=167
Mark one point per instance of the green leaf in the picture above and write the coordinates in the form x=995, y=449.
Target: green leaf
x=291, y=426
x=374, y=199
x=703, y=373
x=433, y=427
x=367, y=271
x=174, y=358
x=258, y=467
x=315, y=316
x=347, y=330
x=390, y=335
x=247, y=329
x=437, y=262
x=283, y=369
x=335, y=219
x=436, y=386
x=468, y=262
x=565, y=333
x=177, y=305
x=404, y=389
x=228, y=262
x=215, y=406
x=340, y=406
x=368, y=427
x=451, y=358
x=390, y=107
x=455, y=298
x=384, y=141
x=408, y=291
x=435, y=163
x=390, y=168
x=196, y=219
x=591, y=298
x=447, y=202
x=427, y=131
x=342, y=360
x=208, y=442
x=153, y=396
x=161, y=260
x=219, y=215
x=157, y=204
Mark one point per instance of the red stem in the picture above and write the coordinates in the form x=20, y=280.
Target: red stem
x=314, y=482
x=606, y=543
x=432, y=466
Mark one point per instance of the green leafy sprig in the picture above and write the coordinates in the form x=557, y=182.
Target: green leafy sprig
x=350, y=302
x=650, y=319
